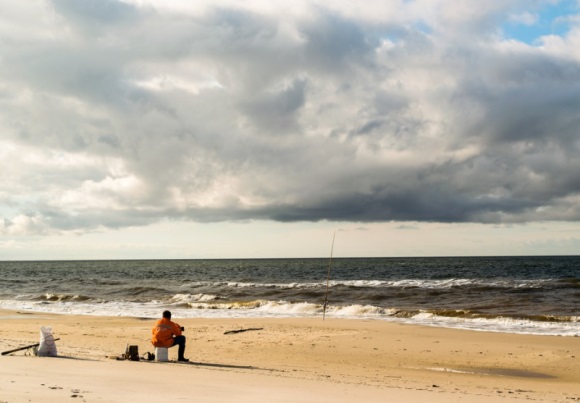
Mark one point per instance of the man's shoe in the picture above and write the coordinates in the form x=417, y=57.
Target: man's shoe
x=183, y=360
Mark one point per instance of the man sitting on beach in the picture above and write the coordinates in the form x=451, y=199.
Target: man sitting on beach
x=166, y=333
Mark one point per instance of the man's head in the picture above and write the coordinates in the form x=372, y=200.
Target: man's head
x=167, y=314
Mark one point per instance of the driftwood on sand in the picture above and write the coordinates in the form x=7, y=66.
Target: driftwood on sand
x=243, y=330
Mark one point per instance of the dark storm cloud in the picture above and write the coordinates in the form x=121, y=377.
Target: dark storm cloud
x=275, y=112
x=129, y=114
x=331, y=43
x=83, y=12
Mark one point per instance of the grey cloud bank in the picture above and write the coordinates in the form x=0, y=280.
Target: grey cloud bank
x=122, y=114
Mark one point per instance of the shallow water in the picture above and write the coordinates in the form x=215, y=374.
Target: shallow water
x=538, y=295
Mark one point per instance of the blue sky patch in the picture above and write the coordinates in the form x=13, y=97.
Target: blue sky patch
x=548, y=20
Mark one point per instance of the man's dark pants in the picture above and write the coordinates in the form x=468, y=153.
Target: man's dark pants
x=180, y=341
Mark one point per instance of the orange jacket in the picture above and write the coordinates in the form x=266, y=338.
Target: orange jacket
x=163, y=332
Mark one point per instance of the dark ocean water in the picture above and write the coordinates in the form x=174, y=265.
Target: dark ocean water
x=539, y=295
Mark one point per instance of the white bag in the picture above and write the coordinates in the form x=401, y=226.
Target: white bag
x=47, y=346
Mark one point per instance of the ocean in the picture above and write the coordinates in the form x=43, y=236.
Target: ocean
x=529, y=295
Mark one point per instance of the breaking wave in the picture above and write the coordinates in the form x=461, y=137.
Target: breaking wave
x=61, y=297
x=207, y=306
x=404, y=283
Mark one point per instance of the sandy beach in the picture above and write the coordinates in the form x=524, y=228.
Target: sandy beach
x=284, y=360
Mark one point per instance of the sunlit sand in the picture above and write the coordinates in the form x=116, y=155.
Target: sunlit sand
x=285, y=360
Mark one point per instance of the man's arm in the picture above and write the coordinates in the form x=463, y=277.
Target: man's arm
x=176, y=329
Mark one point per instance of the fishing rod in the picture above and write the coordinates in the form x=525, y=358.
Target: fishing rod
x=23, y=348
x=328, y=278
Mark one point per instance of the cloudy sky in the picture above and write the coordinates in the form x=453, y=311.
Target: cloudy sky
x=259, y=128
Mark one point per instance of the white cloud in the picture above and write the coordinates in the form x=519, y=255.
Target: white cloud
x=525, y=18
x=120, y=114
x=22, y=225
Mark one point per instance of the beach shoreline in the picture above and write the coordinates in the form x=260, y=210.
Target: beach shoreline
x=289, y=359
x=527, y=295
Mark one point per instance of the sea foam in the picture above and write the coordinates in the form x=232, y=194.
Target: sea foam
x=282, y=309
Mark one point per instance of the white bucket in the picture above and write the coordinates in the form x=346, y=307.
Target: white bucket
x=161, y=354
